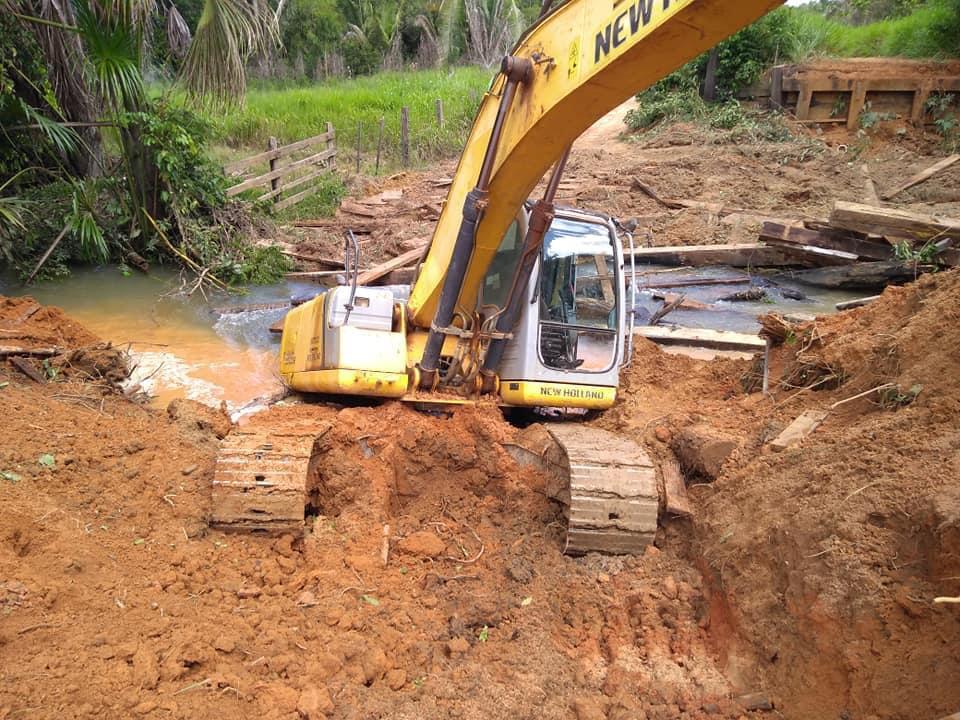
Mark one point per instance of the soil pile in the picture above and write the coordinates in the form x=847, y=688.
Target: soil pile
x=829, y=556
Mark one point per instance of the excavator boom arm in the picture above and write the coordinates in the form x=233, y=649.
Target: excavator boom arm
x=588, y=56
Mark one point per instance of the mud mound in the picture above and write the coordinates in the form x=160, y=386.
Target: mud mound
x=823, y=550
x=30, y=324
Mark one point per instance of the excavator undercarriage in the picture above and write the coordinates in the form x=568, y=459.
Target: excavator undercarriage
x=606, y=483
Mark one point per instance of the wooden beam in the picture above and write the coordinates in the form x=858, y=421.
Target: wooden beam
x=893, y=223
x=676, y=501
x=696, y=282
x=858, y=99
x=698, y=337
x=922, y=176
x=859, y=302
x=797, y=431
x=739, y=255
x=400, y=261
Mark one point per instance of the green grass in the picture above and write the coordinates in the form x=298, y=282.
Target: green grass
x=297, y=112
x=929, y=32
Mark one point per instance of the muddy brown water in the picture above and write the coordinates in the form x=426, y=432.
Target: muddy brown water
x=183, y=347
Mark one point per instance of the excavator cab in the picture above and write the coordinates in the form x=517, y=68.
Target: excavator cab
x=573, y=334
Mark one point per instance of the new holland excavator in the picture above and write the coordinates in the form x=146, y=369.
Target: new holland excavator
x=521, y=301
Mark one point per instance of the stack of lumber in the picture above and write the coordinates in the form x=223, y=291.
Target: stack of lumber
x=865, y=246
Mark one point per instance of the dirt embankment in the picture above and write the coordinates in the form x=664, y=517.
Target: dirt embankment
x=118, y=601
x=807, y=575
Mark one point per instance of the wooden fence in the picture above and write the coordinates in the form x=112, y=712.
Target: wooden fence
x=285, y=169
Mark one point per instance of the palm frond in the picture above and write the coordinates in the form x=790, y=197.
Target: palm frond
x=83, y=224
x=63, y=138
x=228, y=33
x=178, y=33
x=112, y=41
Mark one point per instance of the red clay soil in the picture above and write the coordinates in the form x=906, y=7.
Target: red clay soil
x=807, y=575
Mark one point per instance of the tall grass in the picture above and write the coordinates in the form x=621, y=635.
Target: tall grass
x=932, y=31
x=294, y=113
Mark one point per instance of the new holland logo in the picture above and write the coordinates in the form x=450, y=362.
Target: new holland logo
x=631, y=20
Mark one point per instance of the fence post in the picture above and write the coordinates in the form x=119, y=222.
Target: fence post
x=405, y=136
x=379, y=147
x=440, y=121
x=359, y=126
x=331, y=141
x=272, y=144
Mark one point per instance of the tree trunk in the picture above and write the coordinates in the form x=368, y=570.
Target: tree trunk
x=710, y=80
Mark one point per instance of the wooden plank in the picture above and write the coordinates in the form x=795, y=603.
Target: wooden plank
x=603, y=272
x=273, y=154
x=922, y=176
x=353, y=208
x=280, y=172
x=817, y=255
x=859, y=302
x=893, y=223
x=858, y=98
x=797, y=431
x=823, y=235
x=696, y=282
x=698, y=337
x=676, y=501
x=296, y=197
x=739, y=255
x=296, y=182
x=803, y=103
x=400, y=261
x=919, y=109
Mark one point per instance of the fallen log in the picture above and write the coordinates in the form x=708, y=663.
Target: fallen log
x=700, y=337
x=862, y=276
x=320, y=260
x=922, y=176
x=897, y=224
x=685, y=302
x=41, y=352
x=859, y=302
x=668, y=307
x=739, y=255
x=751, y=295
x=400, y=261
x=27, y=369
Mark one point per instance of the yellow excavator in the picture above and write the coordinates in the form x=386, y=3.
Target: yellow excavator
x=522, y=301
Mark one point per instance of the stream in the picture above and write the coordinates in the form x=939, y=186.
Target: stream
x=183, y=347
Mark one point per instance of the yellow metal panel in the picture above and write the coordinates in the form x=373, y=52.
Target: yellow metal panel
x=302, y=340
x=416, y=339
x=349, y=382
x=374, y=350
x=531, y=393
x=600, y=53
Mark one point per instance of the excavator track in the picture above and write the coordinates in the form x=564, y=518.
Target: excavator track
x=612, y=499
x=259, y=483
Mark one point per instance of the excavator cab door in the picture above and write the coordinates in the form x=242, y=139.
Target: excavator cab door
x=568, y=346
